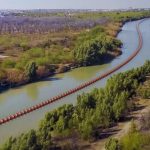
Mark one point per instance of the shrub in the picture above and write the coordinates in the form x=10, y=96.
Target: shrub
x=30, y=70
x=112, y=144
x=2, y=74
x=16, y=77
x=144, y=92
x=93, y=46
x=42, y=71
x=8, y=63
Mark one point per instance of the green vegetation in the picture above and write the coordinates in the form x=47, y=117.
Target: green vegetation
x=96, y=47
x=115, y=16
x=93, y=112
x=144, y=90
x=31, y=70
x=40, y=56
x=93, y=46
x=81, y=42
x=134, y=140
x=112, y=144
x=29, y=141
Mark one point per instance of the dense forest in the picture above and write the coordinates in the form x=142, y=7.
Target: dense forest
x=56, y=43
x=94, y=111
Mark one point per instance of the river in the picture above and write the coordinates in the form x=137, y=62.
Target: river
x=14, y=100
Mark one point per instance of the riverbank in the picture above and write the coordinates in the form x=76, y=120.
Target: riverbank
x=35, y=93
x=13, y=77
x=60, y=68
x=69, y=92
x=65, y=94
x=17, y=76
x=91, y=105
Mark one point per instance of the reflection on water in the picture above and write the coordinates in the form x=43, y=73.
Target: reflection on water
x=16, y=99
x=32, y=91
x=85, y=73
x=31, y=94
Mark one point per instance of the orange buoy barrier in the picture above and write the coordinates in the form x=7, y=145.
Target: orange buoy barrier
x=71, y=91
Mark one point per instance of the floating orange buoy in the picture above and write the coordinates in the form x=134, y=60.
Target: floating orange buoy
x=1, y=121
x=71, y=91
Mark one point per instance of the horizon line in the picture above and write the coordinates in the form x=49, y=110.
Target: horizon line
x=129, y=8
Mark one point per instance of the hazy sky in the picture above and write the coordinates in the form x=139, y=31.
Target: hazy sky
x=76, y=4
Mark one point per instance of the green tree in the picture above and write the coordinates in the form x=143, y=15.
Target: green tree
x=86, y=129
x=30, y=70
x=120, y=105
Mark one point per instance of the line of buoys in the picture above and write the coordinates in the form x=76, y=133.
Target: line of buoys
x=71, y=91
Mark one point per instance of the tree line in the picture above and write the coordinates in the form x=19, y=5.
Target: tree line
x=99, y=109
x=92, y=45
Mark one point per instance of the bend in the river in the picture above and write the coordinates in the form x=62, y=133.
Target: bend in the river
x=71, y=91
